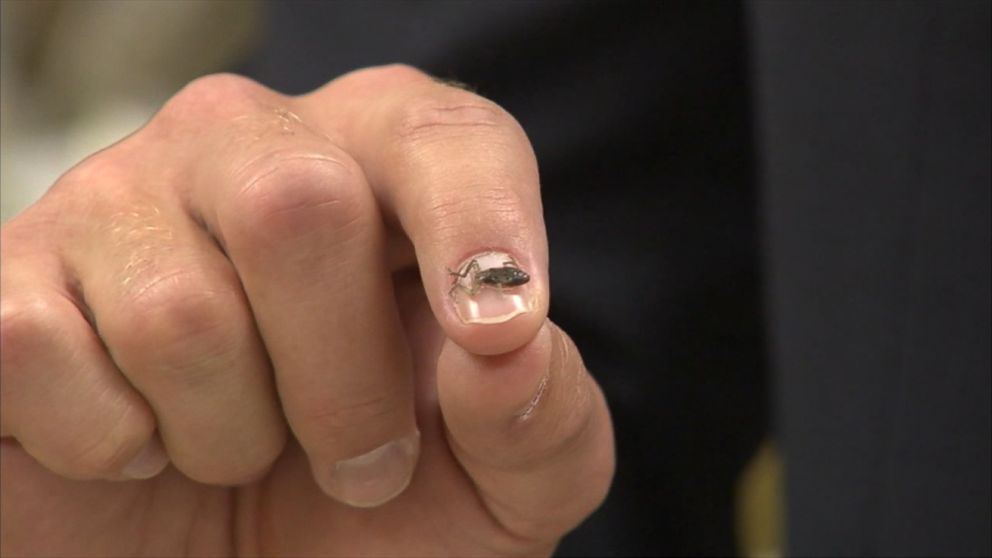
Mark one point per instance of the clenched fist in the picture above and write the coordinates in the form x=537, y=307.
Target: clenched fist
x=314, y=325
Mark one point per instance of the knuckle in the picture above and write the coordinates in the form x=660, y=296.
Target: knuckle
x=106, y=183
x=175, y=326
x=211, y=95
x=289, y=195
x=25, y=324
x=450, y=112
x=103, y=167
x=399, y=71
x=104, y=176
x=387, y=74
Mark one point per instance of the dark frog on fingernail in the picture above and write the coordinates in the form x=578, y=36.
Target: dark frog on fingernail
x=490, y=288
x=508, y=276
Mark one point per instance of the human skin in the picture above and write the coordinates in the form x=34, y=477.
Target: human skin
x=201, y=324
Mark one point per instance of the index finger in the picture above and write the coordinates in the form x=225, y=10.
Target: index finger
x=458, y=175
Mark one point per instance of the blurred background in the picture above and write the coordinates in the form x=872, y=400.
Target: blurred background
x=78, y=76
x=756, y=315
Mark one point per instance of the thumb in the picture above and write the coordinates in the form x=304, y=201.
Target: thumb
x=532, y=429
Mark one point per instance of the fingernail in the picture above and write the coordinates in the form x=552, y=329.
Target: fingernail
x=150, y=461
x=490, y=288
x=374, y=478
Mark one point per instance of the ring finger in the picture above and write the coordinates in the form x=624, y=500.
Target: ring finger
x=170, y=308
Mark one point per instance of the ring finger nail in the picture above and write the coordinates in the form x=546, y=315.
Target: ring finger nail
x=149, y=462
x=376, y=477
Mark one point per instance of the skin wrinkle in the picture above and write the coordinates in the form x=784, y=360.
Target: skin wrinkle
x=189, y=368
x=94, y=447
x=142, y=506
x=470, y=117
x=514, y=520
x=173, y=275
x=202, y=499
x=528, y=411
x=111, y=397
x=583, y=393
x=280, y=156
x=578, y=424
x=336, y=417
x=568, y=431
x=497, y=158
x=486, y=500
x=445, y=214
x=72, y=290
x=501, y=513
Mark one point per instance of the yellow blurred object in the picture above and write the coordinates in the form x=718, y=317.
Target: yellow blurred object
x=760, y=505
x=77, y=75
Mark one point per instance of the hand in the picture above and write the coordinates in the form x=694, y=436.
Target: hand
x=235, y=332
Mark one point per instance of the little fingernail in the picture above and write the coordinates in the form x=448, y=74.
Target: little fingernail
x=150, y=461
x=490, y=288
x=374, y=478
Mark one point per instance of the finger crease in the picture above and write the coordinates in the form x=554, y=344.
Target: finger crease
x=527, y=411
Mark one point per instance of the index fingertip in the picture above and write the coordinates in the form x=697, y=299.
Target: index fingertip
x=493, y=302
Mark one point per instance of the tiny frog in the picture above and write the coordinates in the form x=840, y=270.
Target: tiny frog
x=498, y=277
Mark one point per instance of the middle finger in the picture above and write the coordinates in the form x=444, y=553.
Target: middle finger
x=296, y=217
